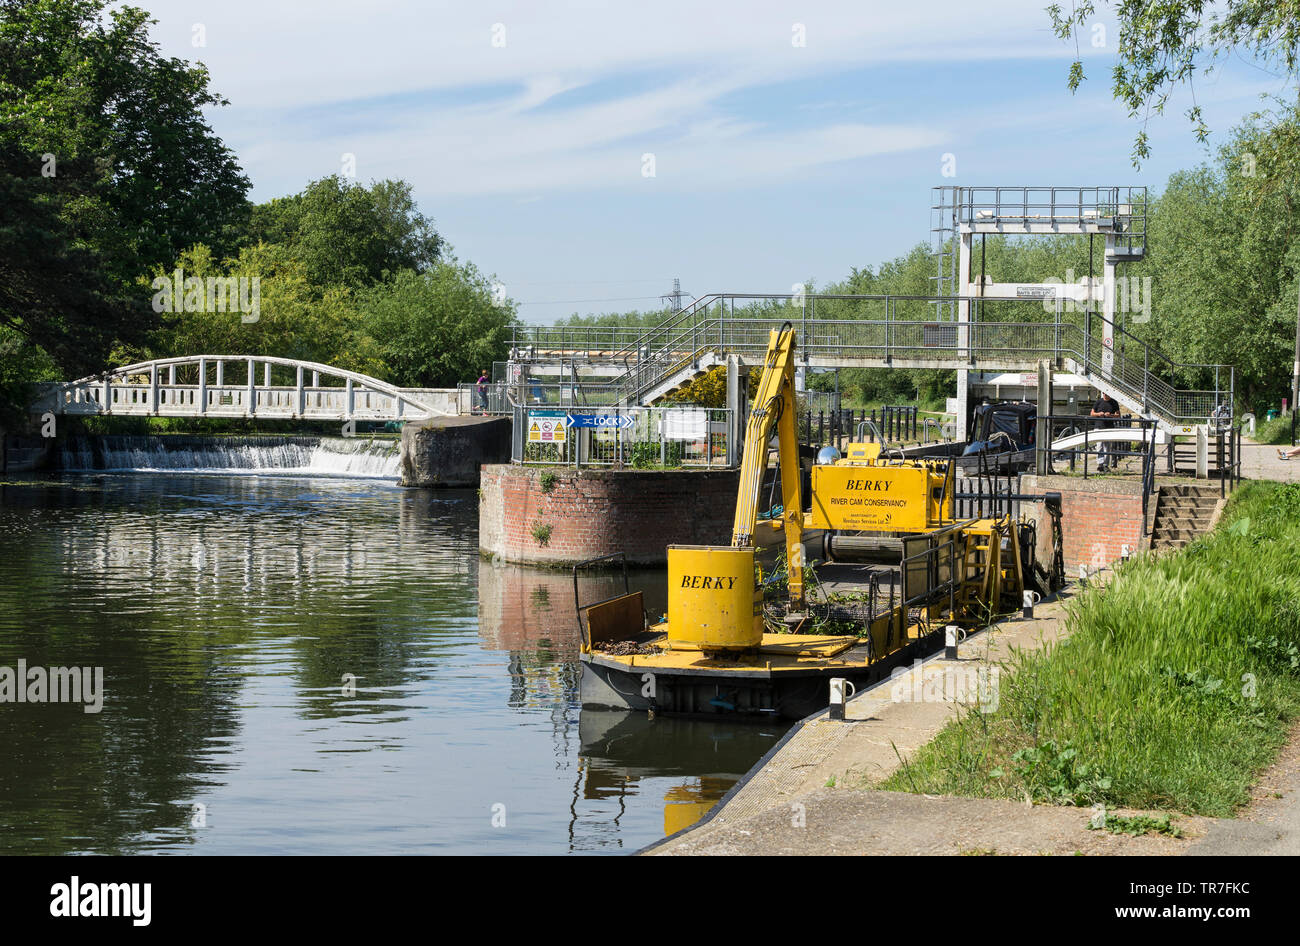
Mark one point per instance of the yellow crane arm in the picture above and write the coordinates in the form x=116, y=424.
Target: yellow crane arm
x=774, y=407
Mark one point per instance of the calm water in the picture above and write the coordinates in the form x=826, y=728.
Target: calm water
x=227, y=611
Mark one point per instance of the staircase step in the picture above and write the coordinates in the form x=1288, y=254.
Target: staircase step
x=1184, y=535
x=1174, y=522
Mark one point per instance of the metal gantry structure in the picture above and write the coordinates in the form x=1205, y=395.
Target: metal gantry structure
x=837, y=331
x=968, y=324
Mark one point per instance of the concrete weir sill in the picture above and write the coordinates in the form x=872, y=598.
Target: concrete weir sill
x=555, y=516
x=448, y=451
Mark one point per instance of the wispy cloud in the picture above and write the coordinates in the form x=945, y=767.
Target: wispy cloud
x=532, y=98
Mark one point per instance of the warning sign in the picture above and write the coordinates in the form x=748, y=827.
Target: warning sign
x=546, y=426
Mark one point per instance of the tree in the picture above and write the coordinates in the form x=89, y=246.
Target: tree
x=292, y=318
x=347, y=234
x=438, y=327
x=1164, y=45
x=53, y=292
x=1225, y=287
x=120, y=130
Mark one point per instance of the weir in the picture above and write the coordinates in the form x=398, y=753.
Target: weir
x=314, y=456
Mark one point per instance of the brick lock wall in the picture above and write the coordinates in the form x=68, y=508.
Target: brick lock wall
x=527, y=610
x=599, y=512
x=1098, y=518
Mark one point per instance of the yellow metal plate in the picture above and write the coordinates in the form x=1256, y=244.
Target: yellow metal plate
x=805, y=645
x=874, y=498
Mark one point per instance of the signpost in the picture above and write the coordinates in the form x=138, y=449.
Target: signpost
x=599, y=421
x=546, y=426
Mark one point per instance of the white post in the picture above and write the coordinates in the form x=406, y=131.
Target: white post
x=250, y=408
x=221, y=373
x=352, y=399
x=300, y=405
x=153, y=389
x=203, y=385
x=963, y=333
x=1108, y=308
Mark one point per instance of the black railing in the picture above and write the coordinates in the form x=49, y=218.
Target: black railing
x=897, y=423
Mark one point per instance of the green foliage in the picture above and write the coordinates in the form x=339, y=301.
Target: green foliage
x=644, y=455
x=22, y=364
x=437, y=327
x=1055, y=774
x=541, y=531
x=1276, y=431
x=297, y=319
x=349, y=235
x=138, y=173
x=1175, y=686
x=1274, y=652
x=1136, y=825
x=547, y=480
x=54, y=295
x=710, y=388
x=1164, y=45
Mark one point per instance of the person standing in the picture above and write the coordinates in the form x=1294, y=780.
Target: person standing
x=1104, y=406
x=482, y=389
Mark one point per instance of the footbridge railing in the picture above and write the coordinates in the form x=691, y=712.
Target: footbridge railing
x=902, y=331
x=236, y=386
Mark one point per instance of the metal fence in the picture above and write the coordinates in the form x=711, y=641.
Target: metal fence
x=896, y=423
x=501, y=398
x=842, y=330
x=637, y=437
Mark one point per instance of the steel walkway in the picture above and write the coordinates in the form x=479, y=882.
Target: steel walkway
x=841, y=331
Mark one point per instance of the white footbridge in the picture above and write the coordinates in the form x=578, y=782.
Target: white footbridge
x=237, y=386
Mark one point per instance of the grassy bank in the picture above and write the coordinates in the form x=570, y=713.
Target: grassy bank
x=1177, y=684
x=1276, y=431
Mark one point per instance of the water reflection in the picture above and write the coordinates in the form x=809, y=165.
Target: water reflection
x=229, y=615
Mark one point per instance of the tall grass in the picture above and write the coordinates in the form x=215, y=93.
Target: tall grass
x=1177, y=684
x=1276, y=431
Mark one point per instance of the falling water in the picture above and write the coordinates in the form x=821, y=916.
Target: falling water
x=306, y=456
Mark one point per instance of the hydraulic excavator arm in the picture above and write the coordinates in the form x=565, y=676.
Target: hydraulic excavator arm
x=774, y=409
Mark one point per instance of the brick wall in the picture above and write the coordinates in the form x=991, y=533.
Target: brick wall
x=1098, y=518
x=598, y=512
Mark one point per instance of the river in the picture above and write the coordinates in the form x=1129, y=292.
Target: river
x=310, y=664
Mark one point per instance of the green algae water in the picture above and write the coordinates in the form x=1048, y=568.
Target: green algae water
x=315, y=665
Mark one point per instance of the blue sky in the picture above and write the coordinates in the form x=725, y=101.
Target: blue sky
x=522, y=126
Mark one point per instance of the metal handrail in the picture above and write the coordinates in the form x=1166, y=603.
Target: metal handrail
x=695, y=331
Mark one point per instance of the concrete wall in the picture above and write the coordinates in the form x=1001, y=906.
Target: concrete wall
x=21, y=454
x=448, y=451
x=599, y=512
x=1098, y=518
x=444, y=399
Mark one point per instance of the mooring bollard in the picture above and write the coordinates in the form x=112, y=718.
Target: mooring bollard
x=950, y=642
x=1028, y=600
x=839, y=697
x=1083, y=574
x=1124, y=553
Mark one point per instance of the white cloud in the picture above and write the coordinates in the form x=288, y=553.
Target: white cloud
x=417, y=90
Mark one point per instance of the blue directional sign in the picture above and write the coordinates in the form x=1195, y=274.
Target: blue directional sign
x=600, y=421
